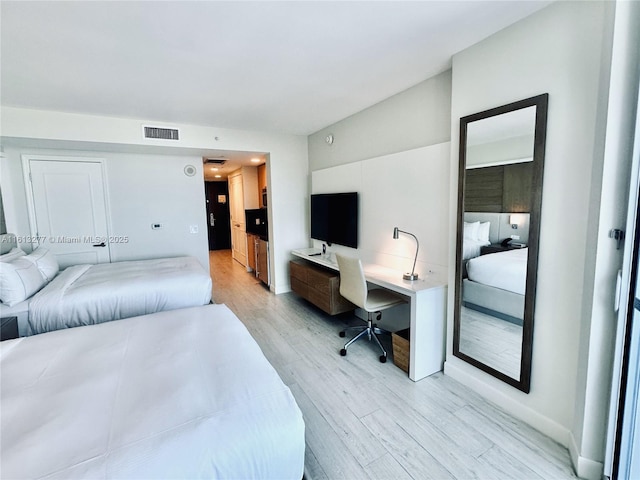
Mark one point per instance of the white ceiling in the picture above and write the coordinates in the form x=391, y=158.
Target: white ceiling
x=291, y=67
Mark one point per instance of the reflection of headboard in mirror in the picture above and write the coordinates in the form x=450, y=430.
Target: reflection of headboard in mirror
x=7, y=242
x=500, y=225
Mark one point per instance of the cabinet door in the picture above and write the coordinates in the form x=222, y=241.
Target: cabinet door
x=263, y=261
x=251, y=251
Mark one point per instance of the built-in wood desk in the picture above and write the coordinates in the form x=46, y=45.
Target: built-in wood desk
x=428, y=305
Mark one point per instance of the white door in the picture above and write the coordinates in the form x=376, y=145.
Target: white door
x=68, y=211
x=238, y=222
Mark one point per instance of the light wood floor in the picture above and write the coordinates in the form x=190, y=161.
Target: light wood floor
x=367, y=420
x=494, y=342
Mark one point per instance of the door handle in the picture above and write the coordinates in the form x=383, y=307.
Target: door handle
x=212, y=220
x=101, y=245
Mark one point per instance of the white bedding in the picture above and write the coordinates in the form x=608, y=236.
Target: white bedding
x=180, y=394
x=504, y=270
x=471, y=248
x=89, y=294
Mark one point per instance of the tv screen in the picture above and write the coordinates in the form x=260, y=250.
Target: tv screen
x=334, y=218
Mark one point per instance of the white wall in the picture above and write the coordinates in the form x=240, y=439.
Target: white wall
x=57, y=131
x=417, y=117
x=141, y=189
x=140, y=196
x=395, y=154
x=563, y=50
x=408, y=190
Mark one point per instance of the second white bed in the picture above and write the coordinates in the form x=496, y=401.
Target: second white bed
x=89, y=294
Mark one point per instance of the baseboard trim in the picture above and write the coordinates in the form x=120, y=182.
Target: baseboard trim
x=279, y=289
x=584, y=467
x=476, y=381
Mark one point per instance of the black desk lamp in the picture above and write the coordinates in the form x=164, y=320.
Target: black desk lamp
x=412, y=275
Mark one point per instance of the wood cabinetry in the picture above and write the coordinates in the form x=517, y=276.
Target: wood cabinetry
x=258, y=257
x=251, y=251
x=262, y=184
x=319, y=286
x=262, y=261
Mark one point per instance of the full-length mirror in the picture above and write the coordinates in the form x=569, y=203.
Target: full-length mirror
x=499, y=201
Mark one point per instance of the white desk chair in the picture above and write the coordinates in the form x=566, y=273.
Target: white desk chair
x=353, y=287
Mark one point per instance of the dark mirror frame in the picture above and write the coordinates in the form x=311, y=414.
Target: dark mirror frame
x=541, y=104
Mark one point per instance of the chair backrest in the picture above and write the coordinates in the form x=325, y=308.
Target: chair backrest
x=353, y=285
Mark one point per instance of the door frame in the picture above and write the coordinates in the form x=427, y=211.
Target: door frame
x=31, y=209
x=623, y=408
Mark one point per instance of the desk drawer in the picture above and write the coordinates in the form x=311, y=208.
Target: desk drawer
x=320, y=300
x=321, y=280
x=299, y=287
x=298, y=271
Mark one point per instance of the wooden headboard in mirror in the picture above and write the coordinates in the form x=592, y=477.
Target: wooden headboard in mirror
x=499, y=203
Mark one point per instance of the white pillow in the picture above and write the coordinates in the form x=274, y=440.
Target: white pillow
x=471, y=230
x=483, y=232
x=19, y=280
x=45, y=261
x=12, y=255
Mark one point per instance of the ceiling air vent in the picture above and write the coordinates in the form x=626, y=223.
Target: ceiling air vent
x=161, y=133
x=215, y=161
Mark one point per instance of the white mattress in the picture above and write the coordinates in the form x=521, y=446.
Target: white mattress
x=504, y=270
x=180, y=394
x=89, y=294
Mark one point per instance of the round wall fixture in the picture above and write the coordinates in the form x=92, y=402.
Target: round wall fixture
x=190, y=170
x=329, y=139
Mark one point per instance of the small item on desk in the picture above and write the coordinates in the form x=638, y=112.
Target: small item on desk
x=517, y=245
x=314, y=254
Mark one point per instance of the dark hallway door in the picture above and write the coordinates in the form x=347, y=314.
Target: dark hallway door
x=219, y=229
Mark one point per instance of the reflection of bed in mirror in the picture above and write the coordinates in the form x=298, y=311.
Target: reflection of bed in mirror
x=494, y=283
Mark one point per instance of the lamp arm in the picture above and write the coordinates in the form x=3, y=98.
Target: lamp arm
x=417, y=248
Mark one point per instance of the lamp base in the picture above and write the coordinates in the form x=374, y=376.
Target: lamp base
x=410, y=276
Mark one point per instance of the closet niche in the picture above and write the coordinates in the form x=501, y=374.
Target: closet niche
x=499, y=202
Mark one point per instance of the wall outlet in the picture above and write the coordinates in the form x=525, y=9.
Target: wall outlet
x=193, y=228
x=515, y=237
x=156, y=226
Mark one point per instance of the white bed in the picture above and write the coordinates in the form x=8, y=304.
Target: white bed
x=180, y=394
x=504, y=270
x=89, y=294
x=496, y=284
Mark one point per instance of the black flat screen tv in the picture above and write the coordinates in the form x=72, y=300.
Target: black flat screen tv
x=334, y=218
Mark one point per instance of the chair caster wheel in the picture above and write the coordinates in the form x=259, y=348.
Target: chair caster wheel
x=343, y=352
x=343, y=334
x=383, y=359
